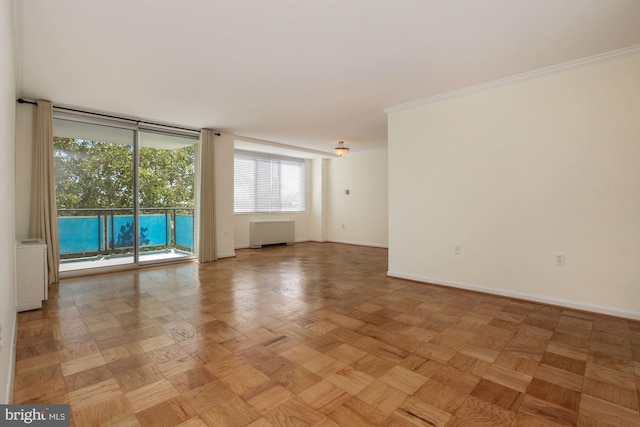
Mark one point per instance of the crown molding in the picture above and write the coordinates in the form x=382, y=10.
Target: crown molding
x=515, y=79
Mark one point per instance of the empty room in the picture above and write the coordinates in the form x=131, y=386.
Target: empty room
x=320, y=213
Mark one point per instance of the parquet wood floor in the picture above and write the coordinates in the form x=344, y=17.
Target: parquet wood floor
x=316, y=334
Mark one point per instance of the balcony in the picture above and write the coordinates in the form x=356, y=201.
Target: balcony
x=91, y=238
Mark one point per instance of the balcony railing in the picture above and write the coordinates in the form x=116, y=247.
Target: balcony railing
x=88, y=232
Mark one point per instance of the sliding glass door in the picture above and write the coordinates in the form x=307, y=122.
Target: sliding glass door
x=125, y=196
x=94, y=171
x=166, y=196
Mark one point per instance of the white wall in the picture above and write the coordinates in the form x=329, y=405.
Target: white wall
x=517, y=173
x=362, y=216
x=318, y=208
x=7, y=195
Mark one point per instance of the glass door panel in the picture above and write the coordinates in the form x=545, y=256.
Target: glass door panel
x=94, y=173
x=166, y=184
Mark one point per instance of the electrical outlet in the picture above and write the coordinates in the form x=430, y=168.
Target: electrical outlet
x=457, y=249
x=559, y=258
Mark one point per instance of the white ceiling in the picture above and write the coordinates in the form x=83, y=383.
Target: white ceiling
x=304, y=73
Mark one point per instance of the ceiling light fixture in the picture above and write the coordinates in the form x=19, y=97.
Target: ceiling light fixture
x=341, y=150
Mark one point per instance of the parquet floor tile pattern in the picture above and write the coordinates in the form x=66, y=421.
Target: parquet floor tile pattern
x=316, y=334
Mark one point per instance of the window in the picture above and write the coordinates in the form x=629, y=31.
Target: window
x=268, y=183
x=96, y=166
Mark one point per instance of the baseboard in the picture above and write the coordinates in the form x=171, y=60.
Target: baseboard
x=349, y=242
x=229, y=255
x=12, y=361
x=518, y=295
x=344, y=242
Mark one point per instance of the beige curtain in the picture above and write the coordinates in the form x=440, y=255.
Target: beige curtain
x=207, y=218
x=43, y=222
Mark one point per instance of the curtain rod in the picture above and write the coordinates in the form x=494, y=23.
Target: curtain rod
x=110, y=116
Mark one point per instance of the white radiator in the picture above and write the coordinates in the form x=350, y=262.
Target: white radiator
x=271, y=232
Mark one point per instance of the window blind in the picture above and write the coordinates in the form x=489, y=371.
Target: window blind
x=268, y=183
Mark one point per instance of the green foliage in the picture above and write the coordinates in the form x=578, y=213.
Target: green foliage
x=167, y=177
x=92, y=174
